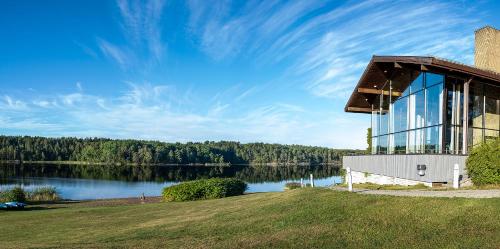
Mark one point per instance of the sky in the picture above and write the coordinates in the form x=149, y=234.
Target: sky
x=178, y=71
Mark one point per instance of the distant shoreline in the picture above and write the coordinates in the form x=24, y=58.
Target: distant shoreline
x=19, y=162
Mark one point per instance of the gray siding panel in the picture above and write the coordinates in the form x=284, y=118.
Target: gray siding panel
x=439, y=167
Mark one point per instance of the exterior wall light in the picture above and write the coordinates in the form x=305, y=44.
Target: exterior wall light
x=421, y=169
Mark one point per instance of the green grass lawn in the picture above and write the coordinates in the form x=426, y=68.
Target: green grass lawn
x=310, y=218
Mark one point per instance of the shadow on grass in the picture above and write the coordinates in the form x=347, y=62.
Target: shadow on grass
x=42, y=205
x=29, y=208
x=53, y=202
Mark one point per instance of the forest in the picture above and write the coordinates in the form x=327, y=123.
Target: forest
x=103, y=150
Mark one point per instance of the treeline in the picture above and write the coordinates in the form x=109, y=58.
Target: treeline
x=102, y=150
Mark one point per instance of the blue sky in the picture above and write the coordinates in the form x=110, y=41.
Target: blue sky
x=178, y=71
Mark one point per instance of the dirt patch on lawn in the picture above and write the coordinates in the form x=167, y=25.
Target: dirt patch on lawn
x=119, y=201
x=93, y=203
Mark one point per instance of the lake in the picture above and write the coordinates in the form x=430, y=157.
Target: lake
x=83, y=182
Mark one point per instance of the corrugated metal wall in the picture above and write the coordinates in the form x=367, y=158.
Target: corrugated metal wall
x=439, y=167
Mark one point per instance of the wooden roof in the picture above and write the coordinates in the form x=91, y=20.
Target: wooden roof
x=402, y=70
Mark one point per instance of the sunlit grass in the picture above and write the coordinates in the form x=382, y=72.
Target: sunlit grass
x=300, y=218
x=373, y=186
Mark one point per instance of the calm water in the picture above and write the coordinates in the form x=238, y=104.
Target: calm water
x=80, y=182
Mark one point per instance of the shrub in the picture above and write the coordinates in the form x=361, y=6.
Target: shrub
x=14, y=194
x=47, y=193
x=292, y=185
x=204, y=189
x=483, y=164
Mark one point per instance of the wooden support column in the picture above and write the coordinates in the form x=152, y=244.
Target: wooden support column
x=465, y=122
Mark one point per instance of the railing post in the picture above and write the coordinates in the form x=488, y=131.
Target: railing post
x=301, y=182
x=349, y=179
x=312, y=180
x=456, y=175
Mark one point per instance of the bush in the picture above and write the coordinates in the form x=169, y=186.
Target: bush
x=14, y=194
x=47, y=193
x=483, y=164
x=204, y=189
x=292, y=185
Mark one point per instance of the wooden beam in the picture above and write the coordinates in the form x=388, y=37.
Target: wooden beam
x=376, y=91
x=369, y=90
x=423, y=67
x=359, y=109
x=397, y=65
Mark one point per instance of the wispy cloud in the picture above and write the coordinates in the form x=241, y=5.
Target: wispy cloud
x=86, y=49
x=79, y=86
x=224, y=32
x=141, y=26
x=146, y=111
x=336, y=59
x=42, y=103
x=329, y=50
x=8, y=103
x=119, y=55
x=303, y=59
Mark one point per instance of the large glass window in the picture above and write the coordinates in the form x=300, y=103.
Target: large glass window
x=476, y=105
x=433, y=79
x=374, y=145
x=491, y=107
x=384, y=114
x=453, y=139
x=475, y=137
x=390, y=148
x=375, y=123
x=454, y=101
x=400, y=117
x=417, y=110
x=434, y=105
x=484, y=112
x=454, y=115
x=400, y=142
x=491, y=114
x=416, y=141
x=418, y=83
x=413, y=123
x=490, y=134
x=384, y=123
x=433, y=139
x=382, y=144
x=419, y=140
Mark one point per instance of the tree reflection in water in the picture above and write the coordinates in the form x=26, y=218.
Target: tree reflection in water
x=248, y=173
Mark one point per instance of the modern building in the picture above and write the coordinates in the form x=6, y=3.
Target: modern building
x=426, y=114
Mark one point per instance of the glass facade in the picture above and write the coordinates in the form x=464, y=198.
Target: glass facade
x=454, y=115
x=428, y=116
x=484, y=113
x=411, y=122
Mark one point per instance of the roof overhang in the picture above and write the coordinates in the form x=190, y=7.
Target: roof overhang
x=403, y=69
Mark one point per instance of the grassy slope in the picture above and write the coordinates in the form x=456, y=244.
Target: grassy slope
x=313, y=218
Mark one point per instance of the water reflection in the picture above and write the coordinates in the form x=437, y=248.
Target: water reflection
x=98, y=181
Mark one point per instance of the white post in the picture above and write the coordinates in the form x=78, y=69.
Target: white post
x=349, y=179
x=312, y=180
x=301, y=182
x=456, y=176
